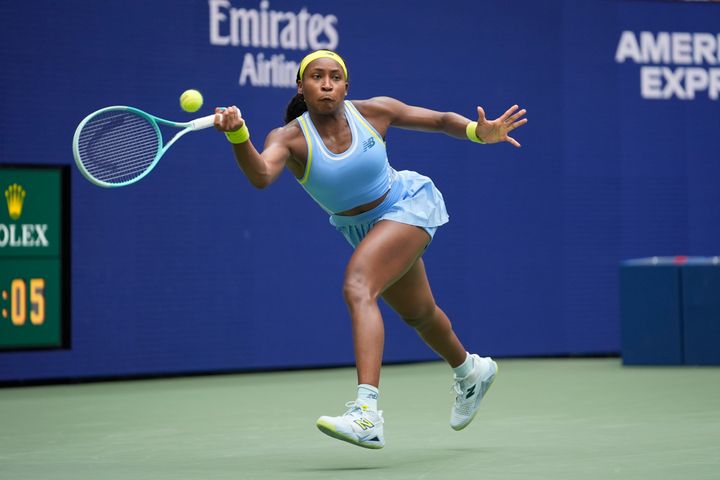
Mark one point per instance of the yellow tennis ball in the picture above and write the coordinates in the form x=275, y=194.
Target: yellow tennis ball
x=191, y=100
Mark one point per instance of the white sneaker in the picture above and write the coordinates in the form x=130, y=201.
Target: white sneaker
x=470, y=391
x=358, y=425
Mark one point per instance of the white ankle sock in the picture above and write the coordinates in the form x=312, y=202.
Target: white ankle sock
x=368, y=395
x=464, y=369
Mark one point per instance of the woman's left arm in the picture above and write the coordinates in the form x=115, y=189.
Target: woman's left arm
x=391, y=112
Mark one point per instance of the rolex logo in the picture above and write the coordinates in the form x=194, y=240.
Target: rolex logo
x=21, y=235
x=15, y=195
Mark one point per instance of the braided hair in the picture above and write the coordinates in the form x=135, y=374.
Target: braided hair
x=295, y=108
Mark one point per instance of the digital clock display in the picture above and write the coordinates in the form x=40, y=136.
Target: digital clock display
x=34, y=234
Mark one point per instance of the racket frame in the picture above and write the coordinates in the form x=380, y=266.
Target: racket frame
x=200, y=123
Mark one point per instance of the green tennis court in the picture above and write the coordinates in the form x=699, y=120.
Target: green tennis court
x=543, y=419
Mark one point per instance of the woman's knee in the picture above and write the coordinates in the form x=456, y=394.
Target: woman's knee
x=419, y=315
x=357, y=288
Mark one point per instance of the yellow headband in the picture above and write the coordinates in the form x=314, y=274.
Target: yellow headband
x=322, y=54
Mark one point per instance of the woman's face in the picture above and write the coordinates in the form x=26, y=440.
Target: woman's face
x=323, y=85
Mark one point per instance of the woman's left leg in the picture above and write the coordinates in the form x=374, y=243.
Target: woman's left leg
x=412, y=299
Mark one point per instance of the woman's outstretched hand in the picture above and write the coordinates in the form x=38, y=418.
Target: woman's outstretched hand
x=228, y=119
x=495, y=131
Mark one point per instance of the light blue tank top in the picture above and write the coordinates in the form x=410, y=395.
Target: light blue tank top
x=359, y=175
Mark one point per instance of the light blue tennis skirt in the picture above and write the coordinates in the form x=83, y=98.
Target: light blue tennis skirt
x=413, y=199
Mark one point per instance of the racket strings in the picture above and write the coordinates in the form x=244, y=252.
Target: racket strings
x=118, y=146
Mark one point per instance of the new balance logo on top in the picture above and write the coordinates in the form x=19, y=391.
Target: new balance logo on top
x=368, y=144
x=470, y=392
x=364, y=423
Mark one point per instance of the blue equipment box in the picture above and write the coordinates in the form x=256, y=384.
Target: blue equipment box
x=670, y=311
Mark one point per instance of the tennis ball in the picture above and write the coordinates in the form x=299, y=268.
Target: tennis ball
x=191, y=100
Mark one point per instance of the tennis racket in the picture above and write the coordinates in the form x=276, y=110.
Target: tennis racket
x=118, y=146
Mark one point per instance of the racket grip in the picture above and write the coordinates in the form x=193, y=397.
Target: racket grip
x=203, y=122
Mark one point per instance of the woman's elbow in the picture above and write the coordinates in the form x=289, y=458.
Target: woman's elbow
x=261, y=182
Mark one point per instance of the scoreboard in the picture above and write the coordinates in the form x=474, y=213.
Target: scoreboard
x=34, y=257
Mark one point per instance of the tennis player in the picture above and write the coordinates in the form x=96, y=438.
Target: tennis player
x=335, y=148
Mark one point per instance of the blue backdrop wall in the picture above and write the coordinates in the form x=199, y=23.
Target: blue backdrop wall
x=193, y=270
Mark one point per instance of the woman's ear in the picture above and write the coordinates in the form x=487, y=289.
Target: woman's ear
x=299, y=87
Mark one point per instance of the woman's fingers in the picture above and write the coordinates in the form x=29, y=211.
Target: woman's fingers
x=512, y=141
x=518, y=123
x=227, y=118
x=504, y=117
x=517, y=115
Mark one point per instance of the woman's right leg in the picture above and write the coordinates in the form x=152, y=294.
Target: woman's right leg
x=386, y=254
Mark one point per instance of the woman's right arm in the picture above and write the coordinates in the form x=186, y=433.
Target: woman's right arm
x=264, y=168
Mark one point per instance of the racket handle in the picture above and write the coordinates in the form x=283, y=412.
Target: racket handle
x=203, y=122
